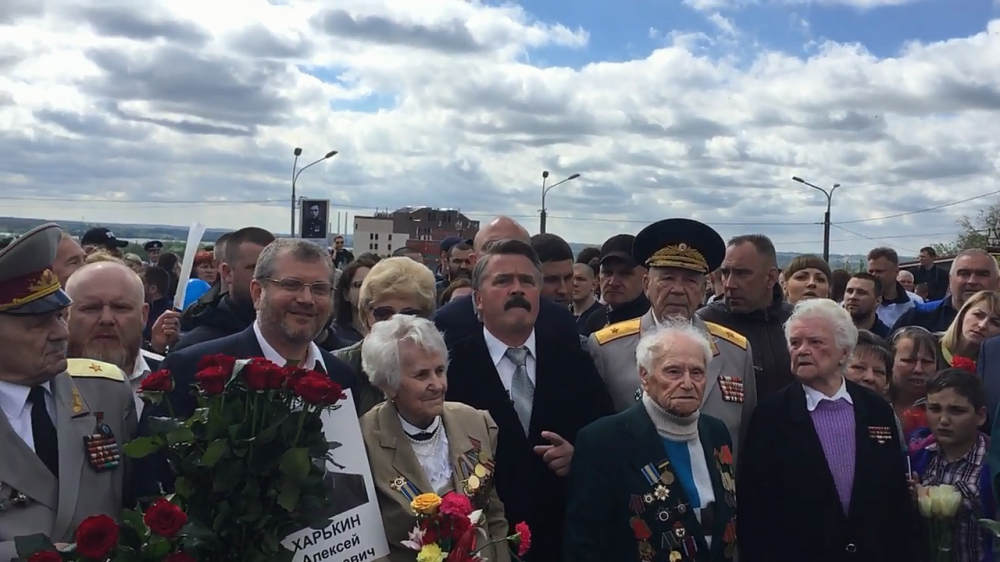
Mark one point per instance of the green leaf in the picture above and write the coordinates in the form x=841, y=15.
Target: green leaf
x=180, y=435
x=30, y=544
x=295, y=463
x=141, y=447
x=183, y=487
x=214, y=452
x=992, y=526
x=288, y=495
x=134, y=528
x=157, y=548
x=163, y=426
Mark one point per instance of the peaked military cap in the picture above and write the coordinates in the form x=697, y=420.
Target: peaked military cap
x=27, y=283
x=681, y=243
x=152, y=245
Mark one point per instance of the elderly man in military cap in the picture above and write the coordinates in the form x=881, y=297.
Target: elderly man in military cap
x=679, y=253
x=64, y=421
x=153, y=249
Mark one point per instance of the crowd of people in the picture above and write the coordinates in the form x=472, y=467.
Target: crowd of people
x=668, y=396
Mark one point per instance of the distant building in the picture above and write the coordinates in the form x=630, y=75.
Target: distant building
x=420, y=228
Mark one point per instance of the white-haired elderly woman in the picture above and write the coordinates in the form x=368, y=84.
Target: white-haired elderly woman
x=822, y=476
x=392, y=286
x=418, y=443
x=656, y=481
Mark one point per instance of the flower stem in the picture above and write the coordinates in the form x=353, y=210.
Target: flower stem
x=302, y=421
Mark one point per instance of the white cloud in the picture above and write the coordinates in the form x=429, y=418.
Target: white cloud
x=714, y=5
x=177, y=105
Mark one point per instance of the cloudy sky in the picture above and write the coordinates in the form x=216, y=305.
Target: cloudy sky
x=169, y=112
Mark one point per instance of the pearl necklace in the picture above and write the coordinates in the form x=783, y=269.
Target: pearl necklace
x=428, y=447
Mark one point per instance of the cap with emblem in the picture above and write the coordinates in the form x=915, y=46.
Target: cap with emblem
x=681, y=243
x=451, y=241
x=101, y=236
x=619, y=247
x=153, y=245
x=27, y=283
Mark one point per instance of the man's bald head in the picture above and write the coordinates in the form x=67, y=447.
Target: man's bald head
x=107, y=273
x=500, y=228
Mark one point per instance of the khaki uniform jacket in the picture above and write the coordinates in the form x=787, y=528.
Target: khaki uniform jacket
x=730, y=392
x=32, y=500
x=393, y=460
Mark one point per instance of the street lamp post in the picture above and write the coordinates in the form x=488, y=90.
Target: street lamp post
x=545, y=190
x=826, y=216
x=295, y=176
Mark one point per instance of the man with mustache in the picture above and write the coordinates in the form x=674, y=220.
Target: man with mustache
x=292, y=291
x=679, y=254
x=538, y=388
x=106, y=320
x=48, y=481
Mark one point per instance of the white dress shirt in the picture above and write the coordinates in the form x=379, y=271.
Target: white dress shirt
x=313, y=359
x=506, y=367
x=432, y=454
x=140, y=371
x=814, y=397
x=15, y=405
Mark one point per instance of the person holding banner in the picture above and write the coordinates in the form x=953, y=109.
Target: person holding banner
x=418, y=443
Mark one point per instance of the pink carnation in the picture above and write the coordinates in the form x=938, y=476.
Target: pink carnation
x=455, y=505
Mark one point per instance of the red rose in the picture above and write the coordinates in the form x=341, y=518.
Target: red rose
x=160, y=381
x=96, y=536
x=317, y=389
x=523, y=538
x=458, y=526
x=293, y=375
x=224, y=362
x=45, y=556
x=964, y=363
x=457, y=505
x=212, y=380
x=261, y=374
x=164, y=518
x=179, y=557
x=430, y=529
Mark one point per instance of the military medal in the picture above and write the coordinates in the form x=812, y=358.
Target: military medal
x=77, y=401
x=661, y=493
x=405, y=487
x=102, y=447
x=879, y=433
x=732, y=389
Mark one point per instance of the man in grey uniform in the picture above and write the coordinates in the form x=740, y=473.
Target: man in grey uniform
x=64, y=421
x=679, y=253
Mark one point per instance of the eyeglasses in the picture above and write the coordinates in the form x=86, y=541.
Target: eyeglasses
x=382, y=313
x=319, y=289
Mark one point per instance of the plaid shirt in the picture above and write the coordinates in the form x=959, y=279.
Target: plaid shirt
x=964, y=474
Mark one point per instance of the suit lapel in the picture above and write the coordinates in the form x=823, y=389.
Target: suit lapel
x=21, y=470
x=490, y=394
x=805, y=439
x=459, y=446
x=863, y=449
x=722, y=506
x=714, y=367
x=404, y=460
x=73, y=422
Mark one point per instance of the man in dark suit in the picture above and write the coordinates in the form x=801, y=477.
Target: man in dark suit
x=457, y=319
x=822, y=477
x=293, y=293
x=539, y=388
x=988, y=369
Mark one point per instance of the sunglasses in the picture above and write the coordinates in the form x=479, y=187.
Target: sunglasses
x=382, y=313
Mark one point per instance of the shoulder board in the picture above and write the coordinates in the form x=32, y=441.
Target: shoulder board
x=726, y=334
x=88, y=368
x=618, y=330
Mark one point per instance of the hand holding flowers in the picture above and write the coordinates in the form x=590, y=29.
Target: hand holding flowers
x=938, y=505
x=447, y=528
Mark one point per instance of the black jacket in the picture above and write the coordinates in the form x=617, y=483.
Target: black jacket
x=765, y=331
x=607, y=316
x=789, y=509
x=217, y=319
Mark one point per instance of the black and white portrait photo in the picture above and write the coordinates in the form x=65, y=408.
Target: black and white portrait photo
x=314, y=219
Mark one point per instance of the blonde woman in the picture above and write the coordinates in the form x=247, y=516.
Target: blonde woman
x=977, y=321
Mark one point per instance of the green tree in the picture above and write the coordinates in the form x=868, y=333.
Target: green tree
x=981, y=231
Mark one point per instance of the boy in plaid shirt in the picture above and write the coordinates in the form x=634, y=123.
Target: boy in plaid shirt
x=955, y=454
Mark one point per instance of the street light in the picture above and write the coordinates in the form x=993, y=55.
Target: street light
x=545, y=177
x=295, y=176
x=826, y=217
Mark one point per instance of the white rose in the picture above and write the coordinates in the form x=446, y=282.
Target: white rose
x=945, y=501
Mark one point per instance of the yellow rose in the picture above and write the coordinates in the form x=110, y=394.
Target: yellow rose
x=925, y=502
x=425, y=504
x=945, y=500
x=429, y=552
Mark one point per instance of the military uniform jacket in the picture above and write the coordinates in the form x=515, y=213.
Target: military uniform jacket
x=731, y=389
x=32, y=500
x=626, y=505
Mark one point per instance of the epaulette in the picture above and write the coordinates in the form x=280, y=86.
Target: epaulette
x=725, y=333
x=618, y=330
x=89, y=369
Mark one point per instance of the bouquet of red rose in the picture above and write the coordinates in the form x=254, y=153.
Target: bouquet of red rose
x=249, y=464
x=152, y=537
x=964, y=363
x=447, y=528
